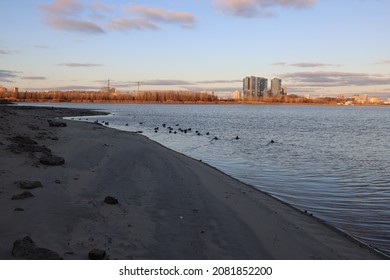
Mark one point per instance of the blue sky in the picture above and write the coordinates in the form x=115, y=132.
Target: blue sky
x=317, y=47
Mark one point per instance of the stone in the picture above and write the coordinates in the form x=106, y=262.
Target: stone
x=26, y=249
x=97, y=254
x=56, y=123
x=110, y=200
x=51, y=160
x=23, y=195
x=18, y=209
x=29, y=185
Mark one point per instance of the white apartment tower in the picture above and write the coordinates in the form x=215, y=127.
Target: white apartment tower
x=276, y=86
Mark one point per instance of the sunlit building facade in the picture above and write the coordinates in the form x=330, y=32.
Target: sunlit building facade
x=276, y=86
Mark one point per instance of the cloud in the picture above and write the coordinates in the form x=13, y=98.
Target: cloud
x=279, y=63
x=67, y=15
x=96, y=17
x=311, y=64
x=6, y=75
x=62, y=7
x=135, y=23
x=258, y=8
x=33, y=78
x=4, y=52
x=304, y=64
x=335, y=79
x=184, y=19
x=76, y=64
x=70, y=87
x=75, y=25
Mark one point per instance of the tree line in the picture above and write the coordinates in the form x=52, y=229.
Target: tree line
x=109, y=97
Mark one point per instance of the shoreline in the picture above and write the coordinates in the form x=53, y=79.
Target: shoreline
x=170, y=206
x=221, y=102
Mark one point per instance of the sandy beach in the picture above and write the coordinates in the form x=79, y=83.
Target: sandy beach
x=160, y=205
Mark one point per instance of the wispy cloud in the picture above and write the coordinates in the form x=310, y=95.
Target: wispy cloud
x=311, y=64
x=77, y=64
x=33, y=78
x=6, y=76
x=132, y=24
x=69, y=87
x=279, y=63
x=68, y=15
x=184, y=19
x=304, y=64
x=335, y=79
x=97, y=17
x=63, y=7
x=258, y=8
x=71, y=24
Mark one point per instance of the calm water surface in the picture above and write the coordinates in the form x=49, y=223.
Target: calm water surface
x=333, y=162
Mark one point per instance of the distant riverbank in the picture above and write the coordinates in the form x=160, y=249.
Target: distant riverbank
x=172, y=97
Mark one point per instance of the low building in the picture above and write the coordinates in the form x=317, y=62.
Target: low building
x=284, y=90
x=237, y=95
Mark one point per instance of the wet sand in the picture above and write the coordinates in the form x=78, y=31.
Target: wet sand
x=169, y=206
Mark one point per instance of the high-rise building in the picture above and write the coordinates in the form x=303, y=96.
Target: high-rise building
x=276, y=86
x=254, y=86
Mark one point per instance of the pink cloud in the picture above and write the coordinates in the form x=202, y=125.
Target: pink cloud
x=75, y=25
x=185, y=19
x=67, y=15
x=63, y=7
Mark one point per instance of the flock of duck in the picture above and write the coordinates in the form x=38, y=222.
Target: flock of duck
x=176, y=129
x=173, y=130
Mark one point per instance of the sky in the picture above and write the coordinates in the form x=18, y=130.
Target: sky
x=317, y=47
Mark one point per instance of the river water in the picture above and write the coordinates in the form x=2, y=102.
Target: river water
x=333, y=162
